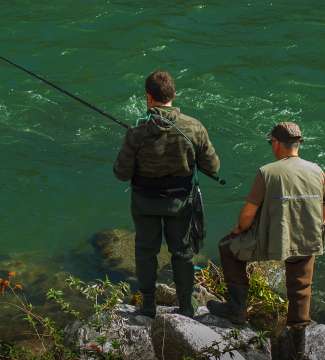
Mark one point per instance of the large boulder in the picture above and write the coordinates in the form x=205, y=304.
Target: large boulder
x=175, y=336
x=224, y=328
x=130, y=330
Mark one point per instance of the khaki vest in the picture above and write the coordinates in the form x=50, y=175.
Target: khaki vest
x=289, y=222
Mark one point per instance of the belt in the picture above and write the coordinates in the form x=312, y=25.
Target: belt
x=163, y=187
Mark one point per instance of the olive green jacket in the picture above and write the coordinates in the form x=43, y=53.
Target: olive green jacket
x=155, y=148
x=289, y=221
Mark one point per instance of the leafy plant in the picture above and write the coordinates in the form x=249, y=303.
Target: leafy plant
x=211, y=277
x=103, y=297
x=266, y=308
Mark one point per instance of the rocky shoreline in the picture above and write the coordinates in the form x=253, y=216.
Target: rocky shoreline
x=169, y=336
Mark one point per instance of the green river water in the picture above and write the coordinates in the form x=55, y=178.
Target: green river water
x=240, y=66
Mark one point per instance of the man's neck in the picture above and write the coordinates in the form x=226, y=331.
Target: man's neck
x=287, y=154
x=159, y=104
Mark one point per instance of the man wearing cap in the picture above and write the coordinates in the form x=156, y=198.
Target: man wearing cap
x=282, y=219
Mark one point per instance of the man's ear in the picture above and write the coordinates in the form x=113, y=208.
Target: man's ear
x=149, y=100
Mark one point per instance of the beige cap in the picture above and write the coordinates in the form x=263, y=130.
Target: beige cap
x=286, y=132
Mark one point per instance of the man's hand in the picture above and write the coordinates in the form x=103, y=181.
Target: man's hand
x=236, y=230
x=246, y=218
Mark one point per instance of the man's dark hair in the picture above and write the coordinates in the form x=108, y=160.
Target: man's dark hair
x=160, y=85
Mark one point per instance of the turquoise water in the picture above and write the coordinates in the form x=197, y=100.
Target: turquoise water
x=239, y=67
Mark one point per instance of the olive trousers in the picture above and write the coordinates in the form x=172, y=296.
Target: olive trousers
x=154, y=218
x=299, y=275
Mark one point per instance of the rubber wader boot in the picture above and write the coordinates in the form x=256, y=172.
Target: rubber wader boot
x=186, y=306
x=291, y=344
x=184, y=280
x=297, y=343
x=148, y=307
x=235, y=308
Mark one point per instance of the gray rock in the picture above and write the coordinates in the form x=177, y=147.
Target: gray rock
x=131, y=330
x=175, y=336
x=315, y=344
x=137, y=343
x=166, y=295
x=202, y=295
x=172, y=336
x=223, y=327
x=201, y=311
x=315, y=341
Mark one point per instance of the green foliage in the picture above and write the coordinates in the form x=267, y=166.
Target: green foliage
x=260, y=293
x=211, y=277
x=266, y=308
x=103, y=297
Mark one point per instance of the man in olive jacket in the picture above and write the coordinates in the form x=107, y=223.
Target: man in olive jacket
x=281, y=220
x=159, y=156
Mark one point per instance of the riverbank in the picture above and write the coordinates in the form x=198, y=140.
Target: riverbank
x=112, y=252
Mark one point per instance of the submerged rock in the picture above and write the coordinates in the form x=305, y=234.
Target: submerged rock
x=117, y=249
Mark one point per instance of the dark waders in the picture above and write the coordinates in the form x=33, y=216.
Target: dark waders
x=299, y=273
x=155, y=217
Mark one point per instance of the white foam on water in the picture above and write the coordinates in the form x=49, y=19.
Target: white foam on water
x=135, y=108
x=86, y=134
x=306, y=84
x=40, y=98
x=68, y=51
x=181, y=73
x=102, y=14
x=38, y=133
x=16, y=127
x=201, y=6
x=4, y=114
x=158, y=48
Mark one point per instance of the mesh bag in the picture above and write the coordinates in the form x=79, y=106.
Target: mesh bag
x=197, y=230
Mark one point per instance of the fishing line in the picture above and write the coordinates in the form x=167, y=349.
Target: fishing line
x=86, y=103
x=214, y=177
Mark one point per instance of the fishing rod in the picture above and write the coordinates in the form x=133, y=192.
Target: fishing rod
x=214, y=177
x=86, y=103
